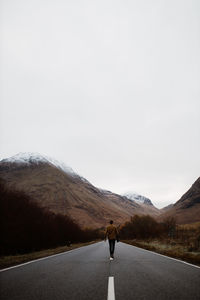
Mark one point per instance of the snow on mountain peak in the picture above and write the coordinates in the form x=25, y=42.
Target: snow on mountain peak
x=138, y=198
x=36, y=158
x=25, y=158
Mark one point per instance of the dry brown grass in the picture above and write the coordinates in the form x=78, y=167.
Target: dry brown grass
x=170, y=248
x=192, y=226
x=12, y=260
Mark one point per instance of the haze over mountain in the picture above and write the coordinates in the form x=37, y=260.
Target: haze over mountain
x=59, y=189
x=166, y=208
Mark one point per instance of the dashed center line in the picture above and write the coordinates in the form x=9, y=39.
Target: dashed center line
x=111, y=288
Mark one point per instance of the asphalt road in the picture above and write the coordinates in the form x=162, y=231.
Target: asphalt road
x=83, y=274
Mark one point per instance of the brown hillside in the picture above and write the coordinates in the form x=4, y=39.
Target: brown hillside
x=69, y=194
x=187, y=209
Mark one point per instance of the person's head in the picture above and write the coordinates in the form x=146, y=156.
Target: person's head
x=111, y=221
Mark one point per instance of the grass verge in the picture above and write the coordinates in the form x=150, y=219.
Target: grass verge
x=12, y=260
x=171, y=249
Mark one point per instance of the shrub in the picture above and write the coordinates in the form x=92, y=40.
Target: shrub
x=25, y=227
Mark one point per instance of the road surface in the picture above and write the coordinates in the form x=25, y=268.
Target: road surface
x=84, y=273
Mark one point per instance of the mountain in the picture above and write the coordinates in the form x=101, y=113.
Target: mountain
x=166, y=208
x=31, y=159
x=58, y=188
x=145, y=203
x=187, y=209
x=138, y=198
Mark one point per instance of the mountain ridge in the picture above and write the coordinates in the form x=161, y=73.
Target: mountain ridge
x=58, y=188
x=138, y=198
x=187, y=208
x=67, y=192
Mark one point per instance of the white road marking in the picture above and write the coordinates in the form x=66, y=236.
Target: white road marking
x=182, y=261
x=111, y=289
x=43, y=258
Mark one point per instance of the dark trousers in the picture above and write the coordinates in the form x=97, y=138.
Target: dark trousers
x=112, y=247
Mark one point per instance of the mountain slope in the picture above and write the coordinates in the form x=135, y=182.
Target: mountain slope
x=187, y=209
x=145, y=204
x=166, y=208
x=138, y=198
x=61, y=190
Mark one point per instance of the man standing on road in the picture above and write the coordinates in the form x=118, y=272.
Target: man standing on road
x=112, y=234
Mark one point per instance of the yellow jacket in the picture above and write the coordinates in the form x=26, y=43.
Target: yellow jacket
x=111, y=232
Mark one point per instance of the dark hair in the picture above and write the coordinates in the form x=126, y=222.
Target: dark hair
x=111, y=221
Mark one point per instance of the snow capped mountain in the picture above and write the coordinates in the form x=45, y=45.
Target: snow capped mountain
x=32, y=158
x=138, y=198
x=29, y=158
x=25, y=158
x=57, y=188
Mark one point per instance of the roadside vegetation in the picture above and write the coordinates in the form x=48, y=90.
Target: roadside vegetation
x=168, y=238
x=25, y=227
x=28, y=232
x=13, y=260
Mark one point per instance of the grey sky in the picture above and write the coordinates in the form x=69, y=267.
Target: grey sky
x=111, y=88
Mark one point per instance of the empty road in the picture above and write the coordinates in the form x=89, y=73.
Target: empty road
x=83, y=274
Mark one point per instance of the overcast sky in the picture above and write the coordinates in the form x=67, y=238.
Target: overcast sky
x=111, y=88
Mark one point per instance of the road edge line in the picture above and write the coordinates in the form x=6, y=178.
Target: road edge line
x=42, y=258
x=182, y=261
